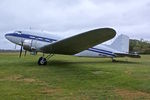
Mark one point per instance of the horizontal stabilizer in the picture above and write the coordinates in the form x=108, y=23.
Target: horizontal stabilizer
x=80, y=42
x=132, y=55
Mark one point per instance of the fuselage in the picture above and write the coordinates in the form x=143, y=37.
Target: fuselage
x=33, y=41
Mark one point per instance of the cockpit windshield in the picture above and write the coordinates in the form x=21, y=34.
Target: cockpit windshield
x=18, y=32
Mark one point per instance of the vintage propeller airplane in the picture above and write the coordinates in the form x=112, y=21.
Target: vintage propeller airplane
x=87, y=44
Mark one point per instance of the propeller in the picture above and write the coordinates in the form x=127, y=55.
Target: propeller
x=15, y=46
x=25, y=53
x=21, y=49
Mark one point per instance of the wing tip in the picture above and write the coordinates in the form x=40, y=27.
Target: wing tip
x=110, y=31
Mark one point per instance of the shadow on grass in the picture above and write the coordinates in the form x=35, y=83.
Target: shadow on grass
x=66, y=63
x=62, y=63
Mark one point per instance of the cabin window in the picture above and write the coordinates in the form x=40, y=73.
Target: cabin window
x=18, y=32
x=32, y=37
x=47, y=40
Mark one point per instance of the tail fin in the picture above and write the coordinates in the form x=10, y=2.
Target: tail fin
x=121, y=43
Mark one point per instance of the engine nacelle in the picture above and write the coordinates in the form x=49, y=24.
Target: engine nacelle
x=27, y=45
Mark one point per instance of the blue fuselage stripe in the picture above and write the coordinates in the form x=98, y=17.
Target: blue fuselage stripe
x=33, y=37
x=102, y=52
x=97, y=49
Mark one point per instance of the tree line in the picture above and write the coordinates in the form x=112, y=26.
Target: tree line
x=139, y=46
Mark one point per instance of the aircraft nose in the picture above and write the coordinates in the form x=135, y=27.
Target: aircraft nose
x=7, y=36
x=12, y=38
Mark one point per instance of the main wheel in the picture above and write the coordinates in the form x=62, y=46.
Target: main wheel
x=42, y=61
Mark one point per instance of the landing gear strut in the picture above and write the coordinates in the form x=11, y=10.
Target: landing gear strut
x=43, y=60
x=113, y=60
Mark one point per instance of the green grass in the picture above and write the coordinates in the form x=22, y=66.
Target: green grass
x=74, y=78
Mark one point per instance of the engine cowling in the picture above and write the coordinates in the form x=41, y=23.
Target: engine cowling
x=27, y=45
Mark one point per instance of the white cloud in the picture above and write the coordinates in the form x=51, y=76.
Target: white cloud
x=69, y=17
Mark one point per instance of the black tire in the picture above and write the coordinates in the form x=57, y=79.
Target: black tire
x=42, y=61
x=45, y=61
x=114, y=60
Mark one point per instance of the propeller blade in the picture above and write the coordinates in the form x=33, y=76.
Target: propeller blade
x=21, y=49
x=25, y=53
x=15, y=46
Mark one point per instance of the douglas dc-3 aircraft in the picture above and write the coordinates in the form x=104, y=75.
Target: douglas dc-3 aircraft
x=87, y=44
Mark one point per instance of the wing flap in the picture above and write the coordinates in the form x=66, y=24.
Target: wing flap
x=80, y=42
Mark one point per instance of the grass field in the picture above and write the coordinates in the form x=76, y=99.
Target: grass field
x=74, y=78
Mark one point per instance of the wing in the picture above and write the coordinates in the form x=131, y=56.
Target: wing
x=80, y=42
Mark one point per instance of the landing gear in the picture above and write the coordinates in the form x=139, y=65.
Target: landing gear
x=113, y=60
x=43, y=61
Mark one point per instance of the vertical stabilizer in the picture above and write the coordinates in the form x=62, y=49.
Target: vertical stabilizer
x=121, y=43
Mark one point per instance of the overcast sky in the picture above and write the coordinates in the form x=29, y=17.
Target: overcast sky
x=69, y=17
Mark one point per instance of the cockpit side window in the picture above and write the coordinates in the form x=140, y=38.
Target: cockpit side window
x=18, y=32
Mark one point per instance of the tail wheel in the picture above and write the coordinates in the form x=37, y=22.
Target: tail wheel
x=113, y=60
x=42, y=61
